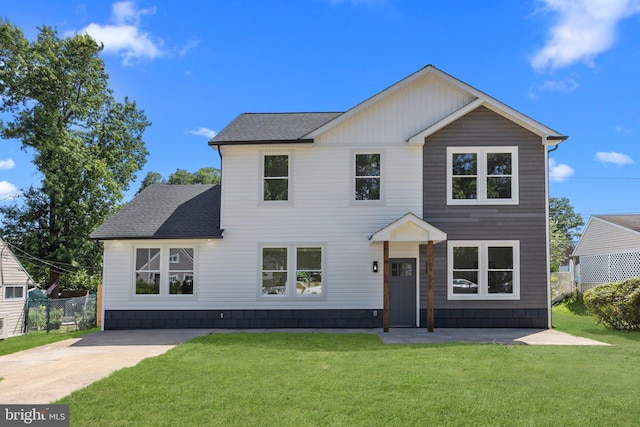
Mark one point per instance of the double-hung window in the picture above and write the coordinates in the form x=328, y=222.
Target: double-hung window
x=275, y=171
x=368, y=175
x=484, y=269
x=293, y=271
x=13, y=292
x=482, y=175
x=164, y=270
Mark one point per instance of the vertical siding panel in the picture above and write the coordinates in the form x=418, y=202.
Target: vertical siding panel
x=401, y=114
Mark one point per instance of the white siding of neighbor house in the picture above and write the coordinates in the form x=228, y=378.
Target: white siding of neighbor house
x=601, y=237
x=12, y=273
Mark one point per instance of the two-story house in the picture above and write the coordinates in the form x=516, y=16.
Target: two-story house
x=424, y=205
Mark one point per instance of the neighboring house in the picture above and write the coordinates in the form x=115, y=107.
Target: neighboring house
x=608, y=250
x=14, y=284
x=424, y=205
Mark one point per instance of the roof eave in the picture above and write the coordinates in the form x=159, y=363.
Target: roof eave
x=213, y=143
x=186, y=237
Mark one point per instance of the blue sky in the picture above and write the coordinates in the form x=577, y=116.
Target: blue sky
x=193, y=66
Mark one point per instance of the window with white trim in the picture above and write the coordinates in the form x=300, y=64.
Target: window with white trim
x=275, y=177
x=482, y=175
x=164, y=270
x=483, y=270
x=13, y=292
x=293, y=271
x=368, y=176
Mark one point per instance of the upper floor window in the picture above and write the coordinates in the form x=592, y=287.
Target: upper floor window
x=276, y=177
x=484, y=270
x=367, y=177
x=164, y=271
x=13, y=292
x=486, y=175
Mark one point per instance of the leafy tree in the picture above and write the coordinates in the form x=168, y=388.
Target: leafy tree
x=559, y=243
x=207, y=176
x=151, y=178
x=567, y=220
x=564, y=229
x=86, y=145
x=182, y=176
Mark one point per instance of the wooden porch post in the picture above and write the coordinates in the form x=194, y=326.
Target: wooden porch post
x=430, y=304
x=385, y=287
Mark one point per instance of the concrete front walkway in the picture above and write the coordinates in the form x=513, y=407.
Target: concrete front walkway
x=487, y=336
x=45, y=374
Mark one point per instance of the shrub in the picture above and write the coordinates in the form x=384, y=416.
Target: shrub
x=616, y=305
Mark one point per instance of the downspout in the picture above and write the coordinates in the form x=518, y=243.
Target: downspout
x=546, y=210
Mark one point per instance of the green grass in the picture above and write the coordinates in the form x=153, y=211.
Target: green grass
x=314, y=379
x=38, y=338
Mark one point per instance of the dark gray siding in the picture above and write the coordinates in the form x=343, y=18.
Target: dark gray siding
x=524, y=222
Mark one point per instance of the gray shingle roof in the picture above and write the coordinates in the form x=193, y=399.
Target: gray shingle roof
x=163, y=211
x=632, y=221
x=252, y=128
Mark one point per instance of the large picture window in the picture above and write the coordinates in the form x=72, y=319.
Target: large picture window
x=367, y=177
x=486, y=175
x=276, y=177
x=294, y=271
x=484, y=270
x=164, y=270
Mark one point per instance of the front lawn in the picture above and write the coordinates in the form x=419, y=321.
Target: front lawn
x=38, y=338
x=307, y=379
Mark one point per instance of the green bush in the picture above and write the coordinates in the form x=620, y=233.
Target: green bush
x=143, y=287
x=616, y=305
x=38, y=318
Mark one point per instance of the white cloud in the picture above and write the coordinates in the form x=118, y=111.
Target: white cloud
x=203, y=132
x=7, y=164
x=124, y=37
x=620, y=129
x=559, y=172
x=584, y=29
x=8, y=190
x=615, y=158
x=564, y=86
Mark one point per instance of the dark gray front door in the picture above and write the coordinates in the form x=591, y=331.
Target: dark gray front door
x=402, y=292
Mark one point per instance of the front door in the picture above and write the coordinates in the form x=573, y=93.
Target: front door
x=402, y=292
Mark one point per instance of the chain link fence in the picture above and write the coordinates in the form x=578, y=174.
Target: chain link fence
x=67, y=315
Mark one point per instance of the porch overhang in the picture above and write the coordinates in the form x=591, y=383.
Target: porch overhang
x=409, y=228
